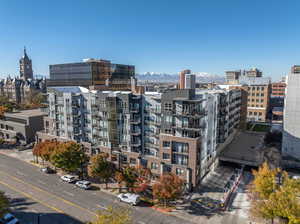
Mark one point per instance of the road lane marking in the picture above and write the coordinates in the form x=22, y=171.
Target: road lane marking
x=66, y=192
x=51, y=194
x=41, y=182
x=100, y=206
x=32, y=198
x=21, y=174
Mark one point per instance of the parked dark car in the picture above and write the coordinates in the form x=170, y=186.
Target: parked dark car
x=47, y=170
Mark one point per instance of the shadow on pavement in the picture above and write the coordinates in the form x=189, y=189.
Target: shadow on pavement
x=20, y=203
x=204, y=206
x=45, y=218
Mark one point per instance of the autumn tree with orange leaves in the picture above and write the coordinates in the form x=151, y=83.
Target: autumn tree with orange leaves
x=3, y=109
x=168, y=188
x=44, y=149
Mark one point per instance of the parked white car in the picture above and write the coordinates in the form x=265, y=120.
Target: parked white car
x=132, y=199
x=9, y=219
x=296, y=177
x=83, y=184
x=68, y=178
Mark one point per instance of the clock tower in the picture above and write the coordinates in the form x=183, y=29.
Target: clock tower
x=25, y=67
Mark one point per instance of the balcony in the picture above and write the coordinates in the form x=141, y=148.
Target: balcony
x=135, y=132
x=190, y=113
x=151, y=133
x=135, y=143
x=151, y=122
x=155, y=110
x=134, y=110
x=135, y=120
x=151, y=145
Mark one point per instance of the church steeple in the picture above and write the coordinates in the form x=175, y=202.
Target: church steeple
x=26, y=66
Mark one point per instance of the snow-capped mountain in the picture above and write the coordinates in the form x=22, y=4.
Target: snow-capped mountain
x=164, y=77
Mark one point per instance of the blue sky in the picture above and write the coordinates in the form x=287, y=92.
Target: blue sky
x=158, y=35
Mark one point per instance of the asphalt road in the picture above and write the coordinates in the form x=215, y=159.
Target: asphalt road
x=35, y=193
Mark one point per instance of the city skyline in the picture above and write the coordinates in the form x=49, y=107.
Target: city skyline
x=201, y=36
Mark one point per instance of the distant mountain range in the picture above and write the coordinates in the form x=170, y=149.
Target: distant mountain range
x=164, y=77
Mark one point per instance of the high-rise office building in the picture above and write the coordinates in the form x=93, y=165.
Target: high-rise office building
x=93, y=74
x=295, y=69
x=182, y=78
x=25, y=67
x=291, y=114
x=190, y=81
x=176, y=131
x=232, y=77
x=254, y=72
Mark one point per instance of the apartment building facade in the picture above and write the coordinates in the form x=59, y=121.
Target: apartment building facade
x=175, y=131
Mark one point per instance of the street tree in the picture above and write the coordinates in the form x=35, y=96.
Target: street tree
x=4, y=204
x=273, y=200
x=44, y=149
x=101, y=168
x=119, y=178
x=69, y=156
x=3, y=109
x=130, y=177
x=168, y=188
x=113, y=216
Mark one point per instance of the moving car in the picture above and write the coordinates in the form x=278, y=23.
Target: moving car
x=9, y=219
x=68, y=178
x=47, y=170
x=83, y=184
x=132, y=199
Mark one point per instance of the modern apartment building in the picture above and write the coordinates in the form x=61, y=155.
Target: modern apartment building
x=291, y=121
x=176, y=131
x=92, y=73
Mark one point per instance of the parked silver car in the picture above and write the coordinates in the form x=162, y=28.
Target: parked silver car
x=83, y=184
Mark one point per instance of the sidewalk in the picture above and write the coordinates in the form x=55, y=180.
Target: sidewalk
x=203, y=205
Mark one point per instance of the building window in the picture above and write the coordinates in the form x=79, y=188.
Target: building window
x=180, y=147
x=180, y=159
x=166, y=144
x=260, y=113
x=262, y=88
x=132, y=160
x=168, y=131
x=250, y=113
x=166, y=156
x=168, y=119
x=179, y=171
x=168, y=107
x=262, y=100
x=262, y=94
x=154, y=166
x=255, y=113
